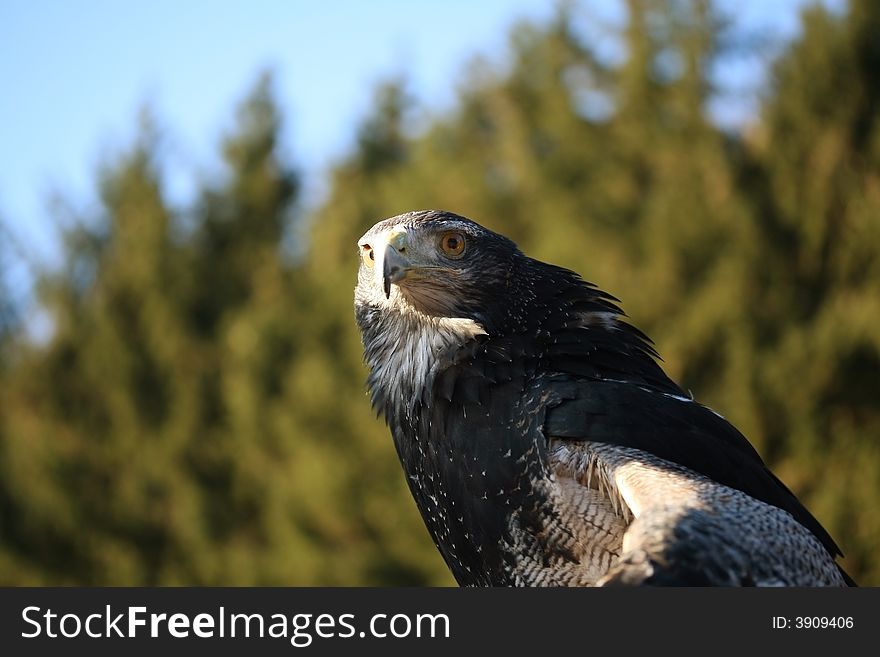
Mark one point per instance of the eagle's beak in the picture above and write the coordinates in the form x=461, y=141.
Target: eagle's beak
x=394, y=265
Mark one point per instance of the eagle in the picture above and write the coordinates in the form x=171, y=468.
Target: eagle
x=541, y=440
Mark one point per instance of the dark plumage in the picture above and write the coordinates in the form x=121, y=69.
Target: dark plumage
x=542, y=442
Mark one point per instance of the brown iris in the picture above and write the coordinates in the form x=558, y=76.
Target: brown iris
x=367, y=255
x=452, y=244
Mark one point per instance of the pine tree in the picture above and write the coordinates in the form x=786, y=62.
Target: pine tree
x=8, y=311
x=817, y=272
x=86, y=407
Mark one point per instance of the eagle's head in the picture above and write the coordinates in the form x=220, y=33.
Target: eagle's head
x=432, y=284
x=432, y=265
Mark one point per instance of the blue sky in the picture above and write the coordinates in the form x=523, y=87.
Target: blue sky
x=74, y=74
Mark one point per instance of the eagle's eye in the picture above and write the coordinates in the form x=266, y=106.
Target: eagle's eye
x=367, y=255
x=452, y=244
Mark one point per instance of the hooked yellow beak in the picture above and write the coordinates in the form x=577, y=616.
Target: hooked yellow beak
x=392, y=265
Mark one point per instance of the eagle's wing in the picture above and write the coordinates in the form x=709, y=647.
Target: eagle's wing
x=686, y=530
x=706, y=509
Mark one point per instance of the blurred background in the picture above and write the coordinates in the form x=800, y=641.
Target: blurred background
x=182, y=185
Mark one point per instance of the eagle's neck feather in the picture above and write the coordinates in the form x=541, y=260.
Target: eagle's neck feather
x=405, y=349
